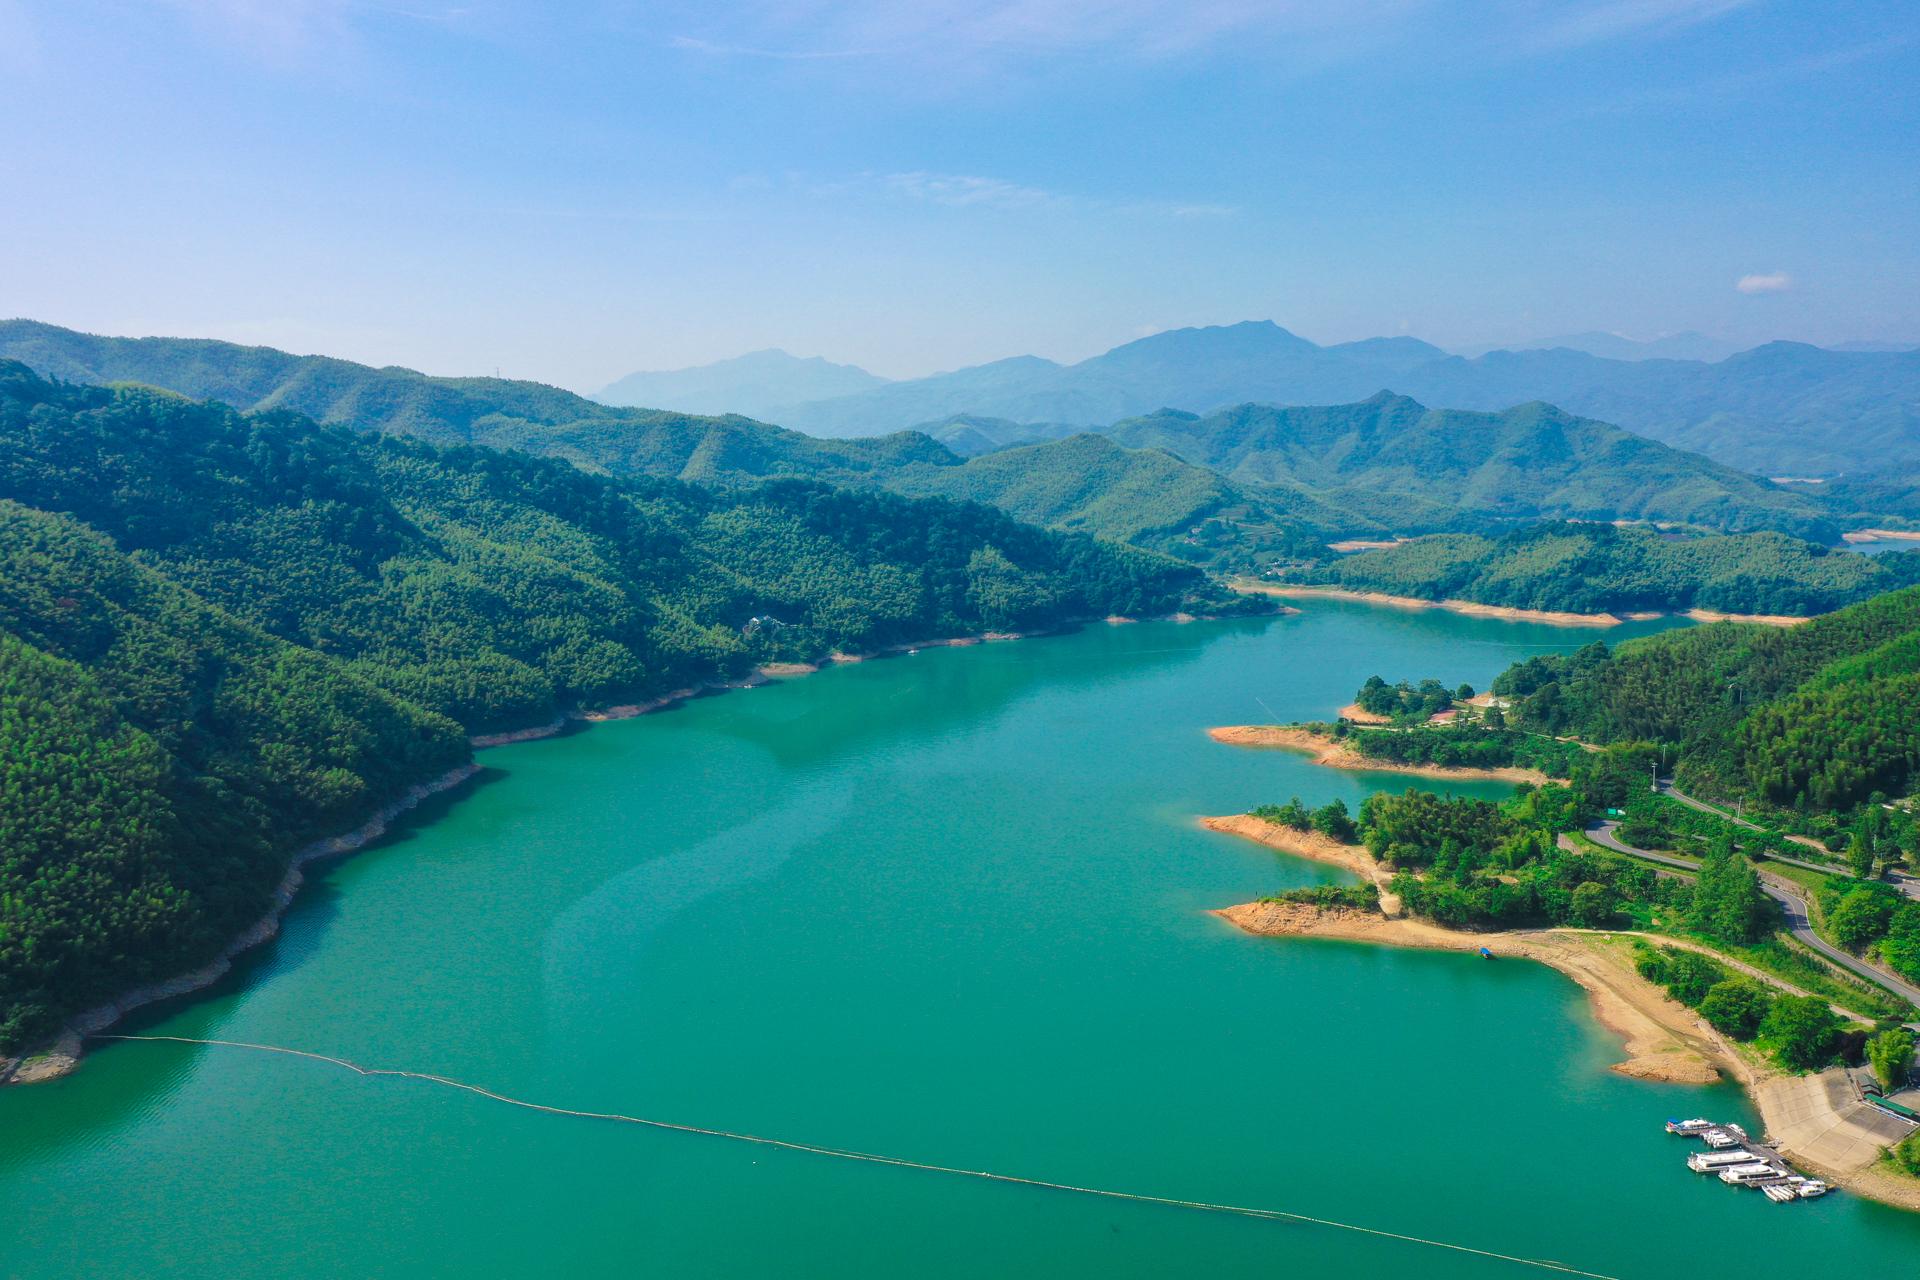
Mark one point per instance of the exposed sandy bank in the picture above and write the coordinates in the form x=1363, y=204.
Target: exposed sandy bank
x=1360, y=715
x=1313, y=846
x=1819, y=1122
x=1665, y=1040
x=480, y=741
x=1473, y=609
x=1882, y=535
x=49, y=1061
x=1364, y=544
x=1467, y=607
x=64, y=1054
x=1336, y=754
x=785, y=670
x=1764, y=619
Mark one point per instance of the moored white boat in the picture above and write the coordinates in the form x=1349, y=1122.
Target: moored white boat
x=1714, y=1161
x=1741, y=1175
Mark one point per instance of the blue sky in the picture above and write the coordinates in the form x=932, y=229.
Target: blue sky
x=571, y=192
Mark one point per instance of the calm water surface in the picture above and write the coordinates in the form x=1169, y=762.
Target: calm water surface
x=948, y=906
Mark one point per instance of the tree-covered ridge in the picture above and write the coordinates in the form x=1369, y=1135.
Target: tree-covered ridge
x=158, y=761
x=500, y=588
x=1529, y=462
x=1600, y=568
x=222, y=636
x=1286, y=477
x=1817, y=717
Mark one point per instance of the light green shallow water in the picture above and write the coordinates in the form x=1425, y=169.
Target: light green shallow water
x=946, y=906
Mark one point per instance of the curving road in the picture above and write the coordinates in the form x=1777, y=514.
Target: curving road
x=1906, y=884
x=1791, y=900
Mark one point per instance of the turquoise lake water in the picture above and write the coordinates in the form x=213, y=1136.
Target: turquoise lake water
x=947, y=906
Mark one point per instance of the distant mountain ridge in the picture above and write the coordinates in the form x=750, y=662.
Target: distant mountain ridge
x=1784, y=408
x=754, y=384
x=1781, y=408
x=1196, y=369
x=1687, y=345
x=1243, y=482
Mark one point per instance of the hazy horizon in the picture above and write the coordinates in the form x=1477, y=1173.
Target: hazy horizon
x=572, y=198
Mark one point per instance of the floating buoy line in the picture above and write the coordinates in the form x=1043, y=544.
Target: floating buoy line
x=867, y=1157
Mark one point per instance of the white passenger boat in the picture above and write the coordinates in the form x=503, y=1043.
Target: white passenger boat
x=1811, y=1189
x=1714, y=1161
x=1780, y=1192
x=1720, y=1139
x=1690, y=1128
x=1741, y=1175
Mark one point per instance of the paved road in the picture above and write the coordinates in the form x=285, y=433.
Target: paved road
x=1791, y=900
x=1601, y=833
x=1906, y=884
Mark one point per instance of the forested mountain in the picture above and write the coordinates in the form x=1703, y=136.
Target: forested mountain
x=1597, y=568
x=221, y=635
x=755, y=384
x=1383, y=465
x=1780, y=409
x=1527, y=462
x=1784, y=408
x=1819, y=716
x=1090, y=484
x=1196, y=369
x=969, y=434
x=494, y=411
x=158, y=761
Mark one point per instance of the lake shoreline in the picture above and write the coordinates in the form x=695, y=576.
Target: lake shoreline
x=61, y=1054
x=1505, y=613
x=1666, y=1042
x=769, y=672
x=1336, y=754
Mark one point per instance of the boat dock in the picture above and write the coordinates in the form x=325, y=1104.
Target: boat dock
x=1739, y=1161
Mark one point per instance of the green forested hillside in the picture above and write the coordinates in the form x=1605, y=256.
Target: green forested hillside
x=497, y=587
x=1090, y=484
x=158, y=761
x=222, y=635
x=1385, y=463
x=1529, y=462
x=1815, y=717
x=1593, y=568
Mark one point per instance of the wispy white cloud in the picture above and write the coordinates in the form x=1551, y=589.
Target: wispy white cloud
x=1569, y=25
x=1764, y=282
x=1298, y=31
x=964, y=190
x=717, y=50
x=981, y=191
x=974, y=30
x=1196, y=210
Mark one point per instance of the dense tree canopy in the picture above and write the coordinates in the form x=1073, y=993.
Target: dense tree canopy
x=1597, y=568
x=1815, y=717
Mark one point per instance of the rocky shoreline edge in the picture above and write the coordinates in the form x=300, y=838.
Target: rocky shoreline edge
x=1666, y=1042
x=58, y=1057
